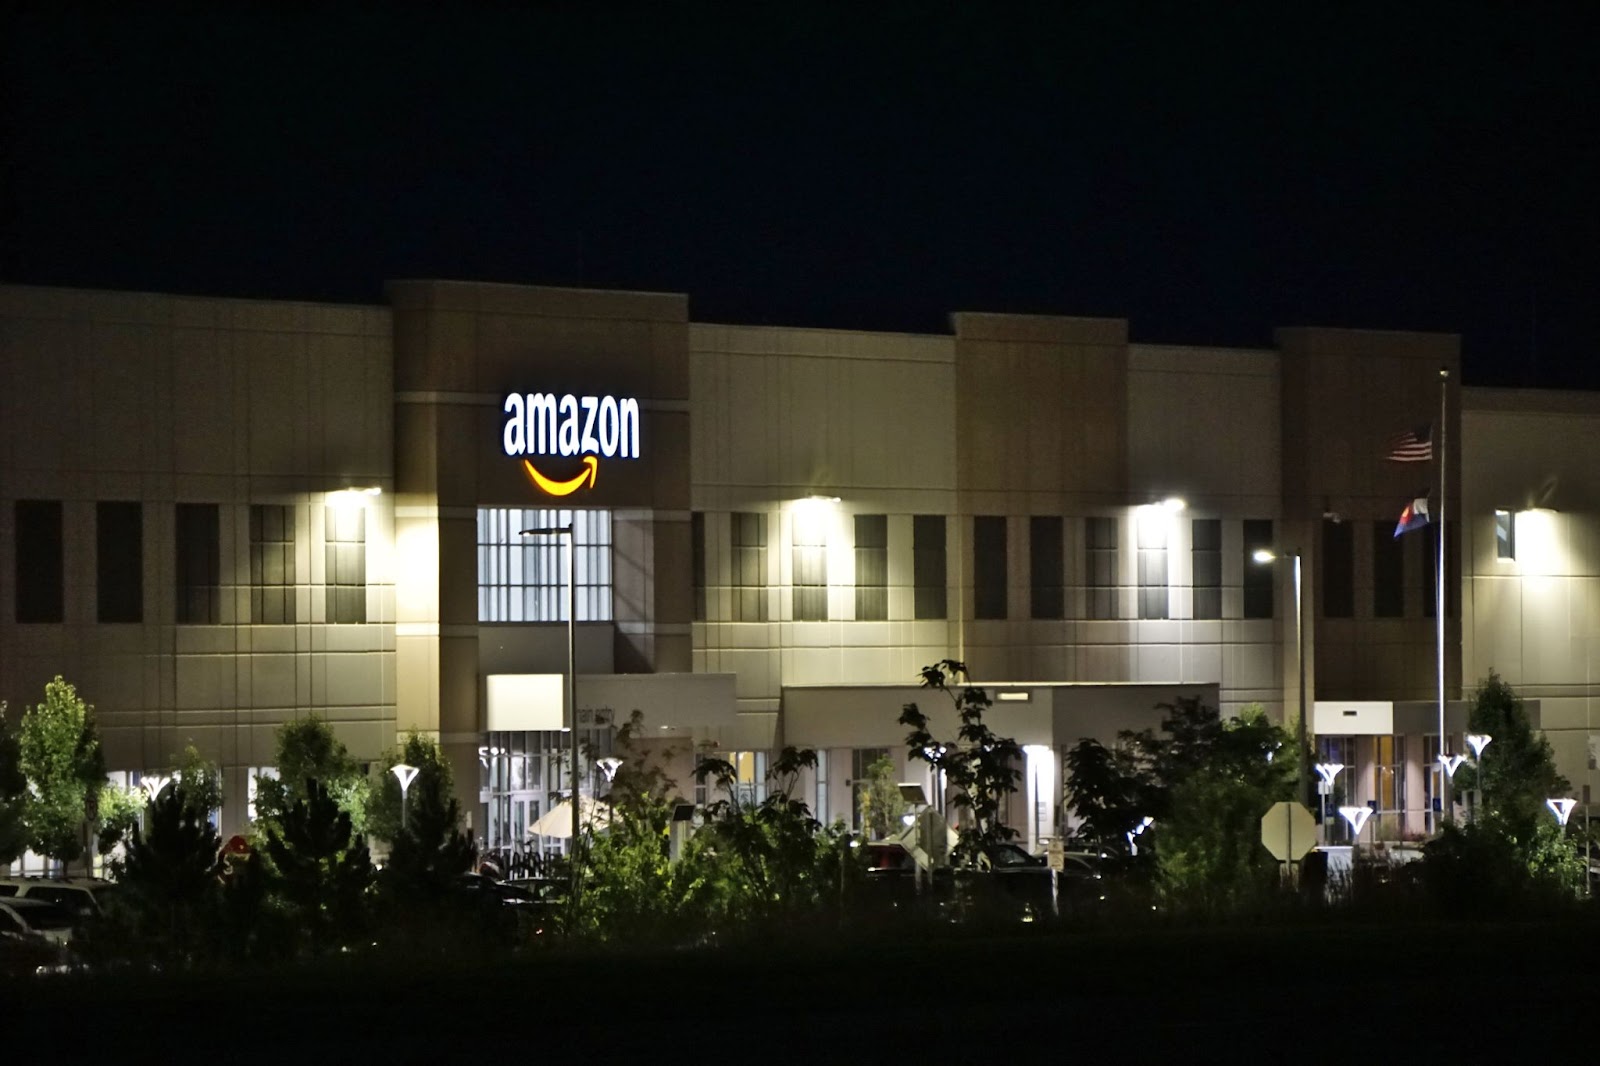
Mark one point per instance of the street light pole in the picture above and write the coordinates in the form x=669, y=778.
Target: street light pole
x=405, y=775
x=1265, y=555
x=572, y=688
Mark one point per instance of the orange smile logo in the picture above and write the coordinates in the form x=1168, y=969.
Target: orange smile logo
x=591, y=464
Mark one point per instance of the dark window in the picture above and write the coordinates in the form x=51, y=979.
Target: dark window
x=198, y=564
x=1505, y=535
x=1338, y=570
x=1154, y=525
x=989, y=566
x=345, y=578
x=272, y=580
x=1100, y=566
x=1206, y=559
x=697, y=555
x=810, y=559
x=1452, y=588
x=1388, y=572
x=39, y=568
x=1258, y=576
x=119, y=561
x=1046, y=567
x=749, y=567
x=928, y=565
x=872, y=567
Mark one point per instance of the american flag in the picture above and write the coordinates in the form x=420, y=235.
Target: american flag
x=1412, y=446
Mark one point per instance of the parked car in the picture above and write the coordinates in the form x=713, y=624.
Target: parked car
x=32, y=917
x=81, y=897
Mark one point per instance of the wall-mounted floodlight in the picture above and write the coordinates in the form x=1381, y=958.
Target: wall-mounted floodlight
x=1263, y=555
x=1561, y=807
x=1357, y=817
x=354, y=494
x=1014, y=696
x=1478, y=742
x=405, y=775
x=1451, y=764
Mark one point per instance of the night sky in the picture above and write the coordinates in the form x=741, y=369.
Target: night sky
x=1207, y=173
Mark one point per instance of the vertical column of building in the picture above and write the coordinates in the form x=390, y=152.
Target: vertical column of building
x=1041, y=429
x=436, y=422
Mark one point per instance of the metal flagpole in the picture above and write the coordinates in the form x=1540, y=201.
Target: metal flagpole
x=1444, y=476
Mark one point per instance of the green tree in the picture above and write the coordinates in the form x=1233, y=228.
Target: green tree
x=1518, y=768
x=1514, y=853
x=169, y=897
x=60, y=755
x=419, y=889
x=1105, y=789
x=199, y=782
x=980, y=765
x=307, y=750
x=434, y=785
x=881, y=802
x=640, y=778
x=757, y=867
x=120, y=811
x=319, y=869
x=13, y=795
x=633, y=894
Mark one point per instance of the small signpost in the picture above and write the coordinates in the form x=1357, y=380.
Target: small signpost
x=1289, y=831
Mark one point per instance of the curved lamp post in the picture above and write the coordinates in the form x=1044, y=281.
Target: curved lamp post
x=405, y=775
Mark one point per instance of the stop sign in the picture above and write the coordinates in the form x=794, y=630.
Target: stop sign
x=1289, y=831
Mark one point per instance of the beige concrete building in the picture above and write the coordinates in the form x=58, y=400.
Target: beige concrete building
x=219, y=515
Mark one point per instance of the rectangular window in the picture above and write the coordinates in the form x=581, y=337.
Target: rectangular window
x=272, y=580
x=810, y=561
x=928, y=565
x=862, y=760
x=989, y=566
x=1389, y=787
x=1388, y=572
x=749, y=567
x=119, y=561
x=1100, y=566
x=819, y=811
x=1330, y=798
x=1338, y=570
x=697, y=562
x=1046, y=567
x=197, y=564
x=1258, y=577
x=1153, y=527
x=872, y=567
x=1505, y=536
x=345, y=576
x=1430, y=575
x=39, y=560
x=1205, y=557
x=524, y=578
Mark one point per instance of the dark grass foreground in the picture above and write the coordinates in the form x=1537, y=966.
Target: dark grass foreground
x=1311, y=993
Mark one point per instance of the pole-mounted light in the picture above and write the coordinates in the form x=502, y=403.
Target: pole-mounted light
x=405, y=775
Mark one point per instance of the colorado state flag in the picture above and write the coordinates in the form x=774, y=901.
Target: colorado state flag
x=1415, y=516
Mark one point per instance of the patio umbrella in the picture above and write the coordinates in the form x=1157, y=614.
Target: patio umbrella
x=558, y=822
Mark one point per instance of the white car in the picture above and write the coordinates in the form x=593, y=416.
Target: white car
x=35, y=918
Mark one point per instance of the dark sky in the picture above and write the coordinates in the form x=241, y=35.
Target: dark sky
x=1209, y=174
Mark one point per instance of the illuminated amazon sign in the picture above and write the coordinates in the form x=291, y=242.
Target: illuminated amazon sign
x=594, y=427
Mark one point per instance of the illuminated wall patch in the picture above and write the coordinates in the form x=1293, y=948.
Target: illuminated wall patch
x=594, y=427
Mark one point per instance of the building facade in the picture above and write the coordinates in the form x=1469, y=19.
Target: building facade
x=218, y=515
